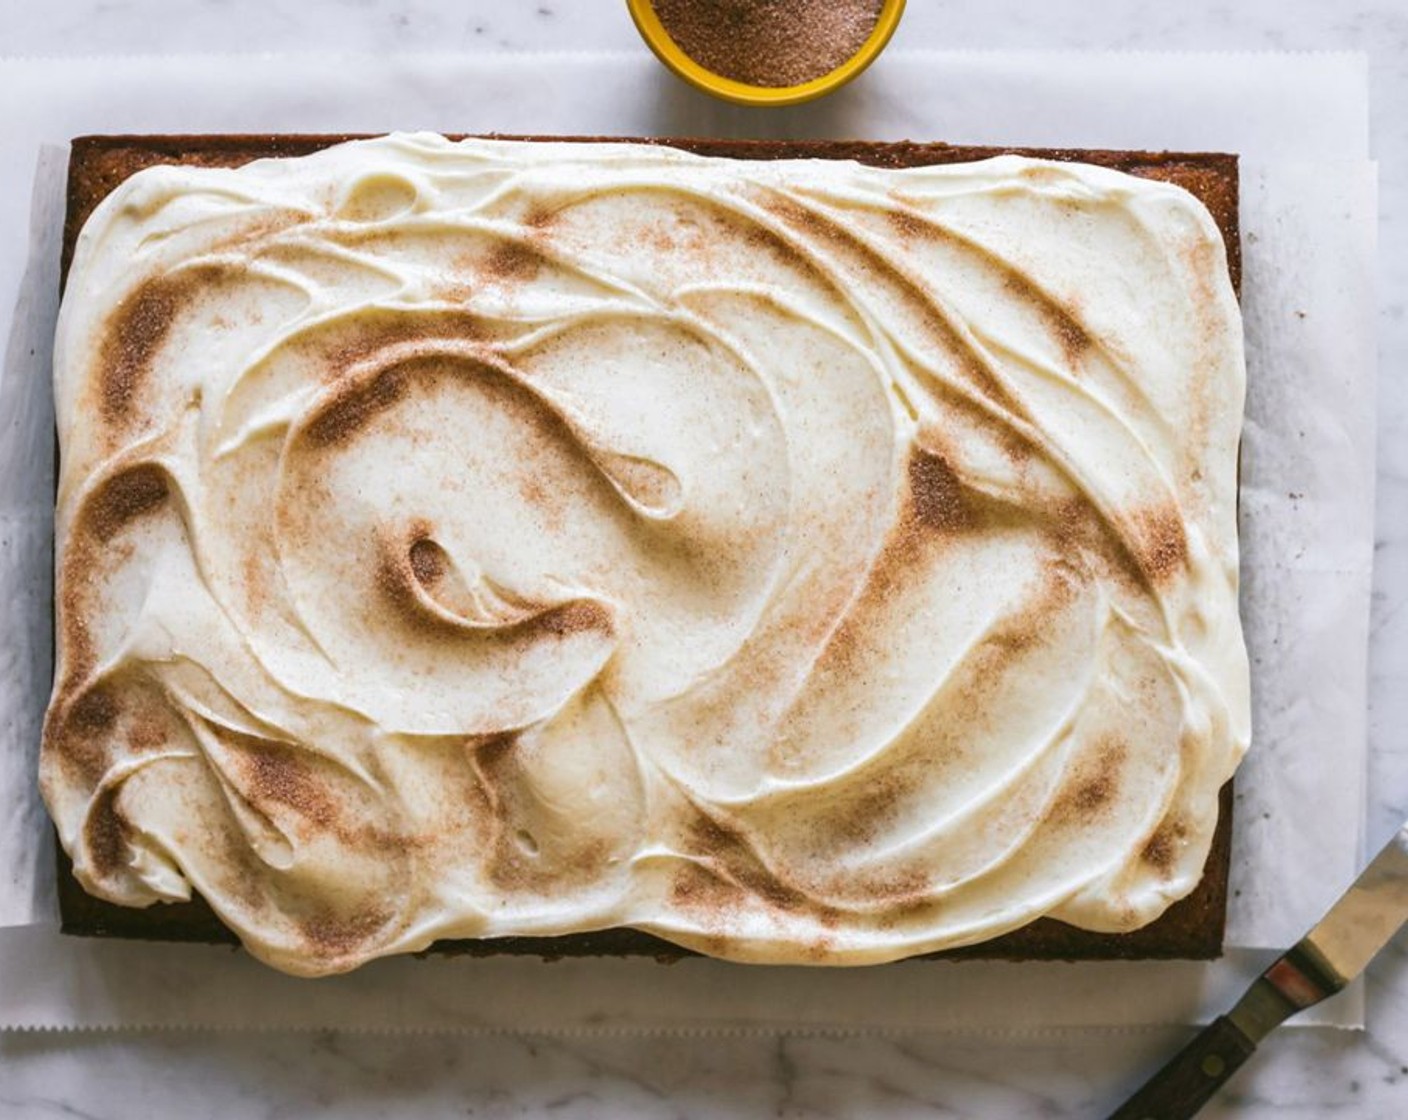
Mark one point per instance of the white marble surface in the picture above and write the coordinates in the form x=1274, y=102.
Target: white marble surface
x=1305, y=1073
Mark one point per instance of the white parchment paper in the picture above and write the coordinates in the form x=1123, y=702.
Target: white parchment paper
x=1300, y=123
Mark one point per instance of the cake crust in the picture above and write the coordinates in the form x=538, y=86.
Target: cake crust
x=1191, y=928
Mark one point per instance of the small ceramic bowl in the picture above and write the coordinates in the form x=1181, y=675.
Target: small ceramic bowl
x=669, y=52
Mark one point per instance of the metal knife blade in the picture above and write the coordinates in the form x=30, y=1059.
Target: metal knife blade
x=1365, y=917
x=1322, y=962
x=1337, y=949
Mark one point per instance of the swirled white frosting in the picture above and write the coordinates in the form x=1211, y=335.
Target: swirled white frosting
x=799, y=561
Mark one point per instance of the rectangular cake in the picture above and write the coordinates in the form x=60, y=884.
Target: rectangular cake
x=797, y=553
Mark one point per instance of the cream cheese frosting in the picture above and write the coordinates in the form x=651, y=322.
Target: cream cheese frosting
x=802, y=562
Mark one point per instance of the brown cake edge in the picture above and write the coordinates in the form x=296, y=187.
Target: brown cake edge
x=1191, y=928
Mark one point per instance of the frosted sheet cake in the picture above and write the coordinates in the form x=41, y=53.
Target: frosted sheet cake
x=602, y=547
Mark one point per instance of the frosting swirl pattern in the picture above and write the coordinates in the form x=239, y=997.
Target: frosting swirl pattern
x=799, y=561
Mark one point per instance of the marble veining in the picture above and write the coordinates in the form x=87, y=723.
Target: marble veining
x=1305, y=1073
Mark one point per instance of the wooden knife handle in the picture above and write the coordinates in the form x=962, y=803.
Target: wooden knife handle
x=1194, y=1074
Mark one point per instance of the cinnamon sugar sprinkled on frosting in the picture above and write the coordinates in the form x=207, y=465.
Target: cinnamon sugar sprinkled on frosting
x=939, y=502
x=125, y=496
x=796, y=561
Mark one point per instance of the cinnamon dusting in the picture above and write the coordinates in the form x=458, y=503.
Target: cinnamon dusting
x=333, y=935
x=1161, y=548
x=138, y=328
x=124, y=497
x=937, y=494
x=1094, y=785
x=353, y=408
x=107, y=835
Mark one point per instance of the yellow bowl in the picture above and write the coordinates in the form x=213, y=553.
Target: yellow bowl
x=669, y=52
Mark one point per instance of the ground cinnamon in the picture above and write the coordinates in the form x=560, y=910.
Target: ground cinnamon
x=769, y=42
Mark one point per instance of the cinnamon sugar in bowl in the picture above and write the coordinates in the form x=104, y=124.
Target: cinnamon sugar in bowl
x=766, y=52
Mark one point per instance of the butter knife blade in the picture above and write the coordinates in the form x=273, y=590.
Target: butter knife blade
x=1320, y=964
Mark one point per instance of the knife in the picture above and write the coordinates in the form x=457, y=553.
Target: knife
x=1321, y=963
